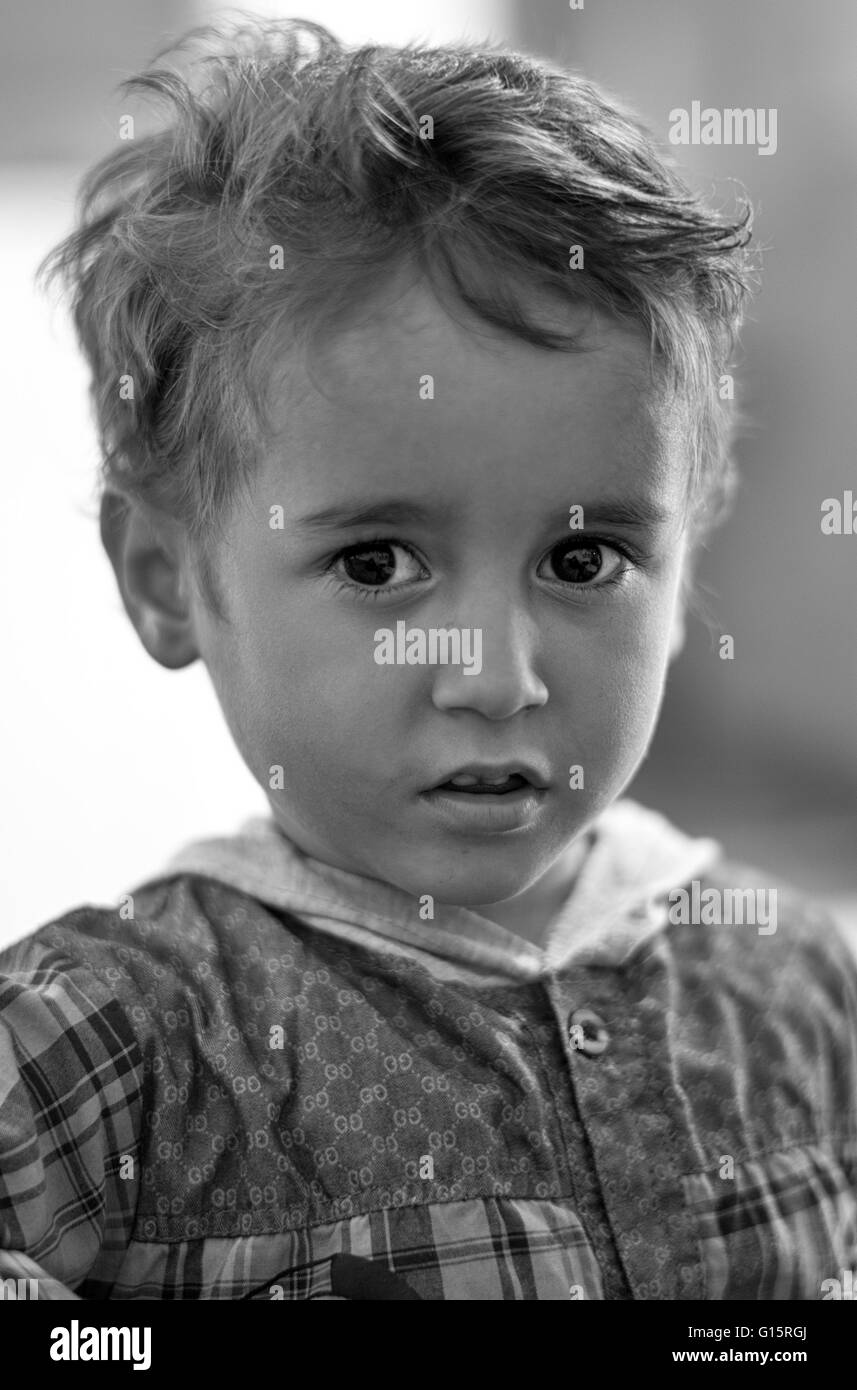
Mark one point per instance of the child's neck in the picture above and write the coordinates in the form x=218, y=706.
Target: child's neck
x=530, y=914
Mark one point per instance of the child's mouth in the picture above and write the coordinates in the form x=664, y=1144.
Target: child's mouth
x=474, y=786
x=481, y=800
x=485, y=779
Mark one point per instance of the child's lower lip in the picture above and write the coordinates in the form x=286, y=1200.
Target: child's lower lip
x=486, y=811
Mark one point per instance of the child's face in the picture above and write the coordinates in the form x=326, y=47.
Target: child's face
x=572, y=667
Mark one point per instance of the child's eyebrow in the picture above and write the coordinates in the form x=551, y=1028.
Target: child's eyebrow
x=625, y=511
x=620, y=511
x=384, y=512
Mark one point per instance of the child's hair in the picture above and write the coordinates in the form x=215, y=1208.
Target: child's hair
x=479, y=168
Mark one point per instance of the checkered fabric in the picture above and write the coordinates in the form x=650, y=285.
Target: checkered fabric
x=217, y=1101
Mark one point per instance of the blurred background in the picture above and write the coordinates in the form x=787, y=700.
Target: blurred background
x=111, y=763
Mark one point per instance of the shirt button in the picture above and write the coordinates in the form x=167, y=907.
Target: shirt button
x=587, y=1032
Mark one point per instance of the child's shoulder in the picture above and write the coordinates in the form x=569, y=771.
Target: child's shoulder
x=758, y=903
x=154, y=947
x=754, y=937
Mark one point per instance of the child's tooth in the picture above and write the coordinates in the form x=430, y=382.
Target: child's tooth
x=465, y=780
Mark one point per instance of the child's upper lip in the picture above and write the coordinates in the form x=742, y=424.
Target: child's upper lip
x=497, y=772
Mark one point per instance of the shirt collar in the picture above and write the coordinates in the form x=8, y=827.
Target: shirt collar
x=635, y=858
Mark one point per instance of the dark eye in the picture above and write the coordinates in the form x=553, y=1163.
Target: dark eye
x=371, y=564
x=374, y=563
x=582, y=564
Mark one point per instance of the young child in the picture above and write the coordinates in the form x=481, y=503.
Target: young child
x=406, y=366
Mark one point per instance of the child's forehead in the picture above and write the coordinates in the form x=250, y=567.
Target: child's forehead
x=406, y=392
x=474, y=475
x=407, y=325
x=409, y=374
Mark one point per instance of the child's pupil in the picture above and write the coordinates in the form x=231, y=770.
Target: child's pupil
x=371, y=564
x=577, y=563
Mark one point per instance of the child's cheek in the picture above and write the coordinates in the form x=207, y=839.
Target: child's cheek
x=624, y=701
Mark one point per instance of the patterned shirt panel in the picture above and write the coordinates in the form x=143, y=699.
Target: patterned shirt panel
x=214, y=1100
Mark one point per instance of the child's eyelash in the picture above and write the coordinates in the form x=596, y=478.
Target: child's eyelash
x=373, y=593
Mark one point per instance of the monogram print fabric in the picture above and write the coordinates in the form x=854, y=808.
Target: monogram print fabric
x=215, y=1100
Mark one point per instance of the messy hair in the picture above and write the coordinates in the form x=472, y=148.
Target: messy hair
x=295, y=173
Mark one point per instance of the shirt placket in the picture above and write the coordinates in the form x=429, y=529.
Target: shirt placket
x=631, y=1133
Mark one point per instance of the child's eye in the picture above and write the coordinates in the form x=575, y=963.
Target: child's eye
x=367, y=568
x=589, y=564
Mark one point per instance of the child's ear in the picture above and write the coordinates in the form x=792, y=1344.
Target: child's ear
x=151, y=566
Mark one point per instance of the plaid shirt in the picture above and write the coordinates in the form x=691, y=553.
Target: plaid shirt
x=221, y=1098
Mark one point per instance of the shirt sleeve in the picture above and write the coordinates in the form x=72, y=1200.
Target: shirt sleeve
x=71, y=1074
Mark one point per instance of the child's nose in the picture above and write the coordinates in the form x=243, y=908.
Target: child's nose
x=499, y=676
